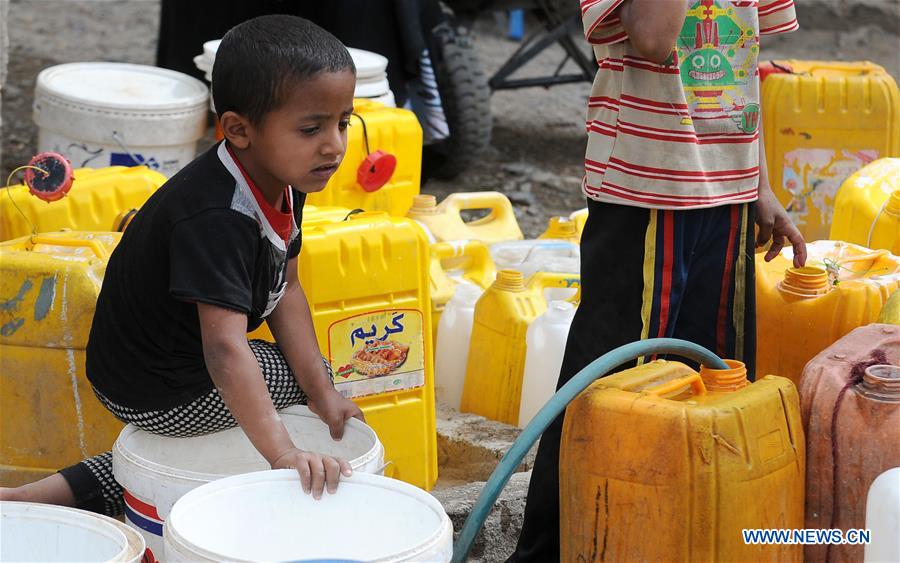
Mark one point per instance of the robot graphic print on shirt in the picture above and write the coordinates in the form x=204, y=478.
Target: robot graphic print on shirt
x=717, y=54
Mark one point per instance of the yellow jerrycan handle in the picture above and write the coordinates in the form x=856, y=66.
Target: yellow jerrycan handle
x=542, y=280
x=694, y=380
x=838, y=67
x=479, y=268
x=98, y=249
x=501, y=208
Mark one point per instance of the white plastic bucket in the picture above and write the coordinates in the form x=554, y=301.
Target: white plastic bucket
x=266, y=516
x=371, y=72
x=156, y=471
x=42, y=532
x=108, y=114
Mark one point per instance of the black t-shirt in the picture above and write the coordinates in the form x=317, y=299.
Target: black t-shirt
x=201, y=238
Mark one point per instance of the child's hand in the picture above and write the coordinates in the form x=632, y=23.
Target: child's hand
x=316, y=471
x=333, y=409
x=775, y=224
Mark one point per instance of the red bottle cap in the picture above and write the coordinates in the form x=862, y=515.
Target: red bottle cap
x=55, y=183
x=375, y=171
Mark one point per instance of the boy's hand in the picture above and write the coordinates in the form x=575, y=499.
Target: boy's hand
x=334, y=410
x=316, y=471
x=775, y=225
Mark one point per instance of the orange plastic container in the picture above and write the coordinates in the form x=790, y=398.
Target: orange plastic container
x=496, y=362
x=800, y=312
x=852, y=438
x=660, y=463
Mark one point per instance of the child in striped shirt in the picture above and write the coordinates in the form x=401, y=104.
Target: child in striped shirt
x=675, y=179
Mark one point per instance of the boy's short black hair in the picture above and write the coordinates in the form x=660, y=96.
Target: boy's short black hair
x=259, y=58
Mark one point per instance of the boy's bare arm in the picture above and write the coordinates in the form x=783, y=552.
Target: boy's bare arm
x=236, y=374
x=772, y=220
x=653, y=26
x=292, y=326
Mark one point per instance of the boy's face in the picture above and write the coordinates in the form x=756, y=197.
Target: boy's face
x=303, y=141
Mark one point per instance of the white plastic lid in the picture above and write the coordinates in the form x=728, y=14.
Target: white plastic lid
x=368, y=64
x=210, y=48
x=369, y=90
x=122, y=86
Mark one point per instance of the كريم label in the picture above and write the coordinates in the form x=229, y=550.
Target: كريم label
x=377, y=352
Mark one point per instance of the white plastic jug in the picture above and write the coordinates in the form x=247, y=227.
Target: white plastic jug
x=265, y=516
x=883, y=518
x=452, y=351
x=31, y=531
x=545, y=343
x=155, y=471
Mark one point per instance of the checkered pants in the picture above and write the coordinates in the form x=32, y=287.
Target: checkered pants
x=92, y=480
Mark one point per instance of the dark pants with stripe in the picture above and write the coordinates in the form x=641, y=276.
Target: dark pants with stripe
x=644, y=274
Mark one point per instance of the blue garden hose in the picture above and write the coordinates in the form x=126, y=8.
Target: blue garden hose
x=554, y=407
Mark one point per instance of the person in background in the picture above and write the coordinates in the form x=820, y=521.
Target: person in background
x=211, y=255
x=675, y=179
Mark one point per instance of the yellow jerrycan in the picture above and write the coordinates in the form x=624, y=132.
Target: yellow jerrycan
x=867, y=208
x=580, y=218
x=49, y=415
x=476, y=267
x=562, y=228
x=366, y=281
x=98, y=196
x=823, y=122
x=382, y=168
x=890, y=313
x=660, y=463
x=802, y=311
x=496, y=362
x=443, y=221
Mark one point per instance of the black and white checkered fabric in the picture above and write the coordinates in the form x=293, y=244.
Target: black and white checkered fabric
x=204, y=415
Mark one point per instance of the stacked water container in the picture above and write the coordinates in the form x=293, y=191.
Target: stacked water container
x=371, y=72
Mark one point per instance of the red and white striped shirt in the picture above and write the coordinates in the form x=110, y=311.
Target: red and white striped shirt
x=683, y=134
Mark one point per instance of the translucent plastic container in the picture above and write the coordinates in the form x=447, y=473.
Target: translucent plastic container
x=452, y=350
x=545, y=343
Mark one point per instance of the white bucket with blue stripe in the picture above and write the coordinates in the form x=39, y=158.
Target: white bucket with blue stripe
x=99, y=114
x=266, y=516
x=156, y=471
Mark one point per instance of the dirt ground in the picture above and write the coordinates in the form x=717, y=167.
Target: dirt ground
x=538, y=140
